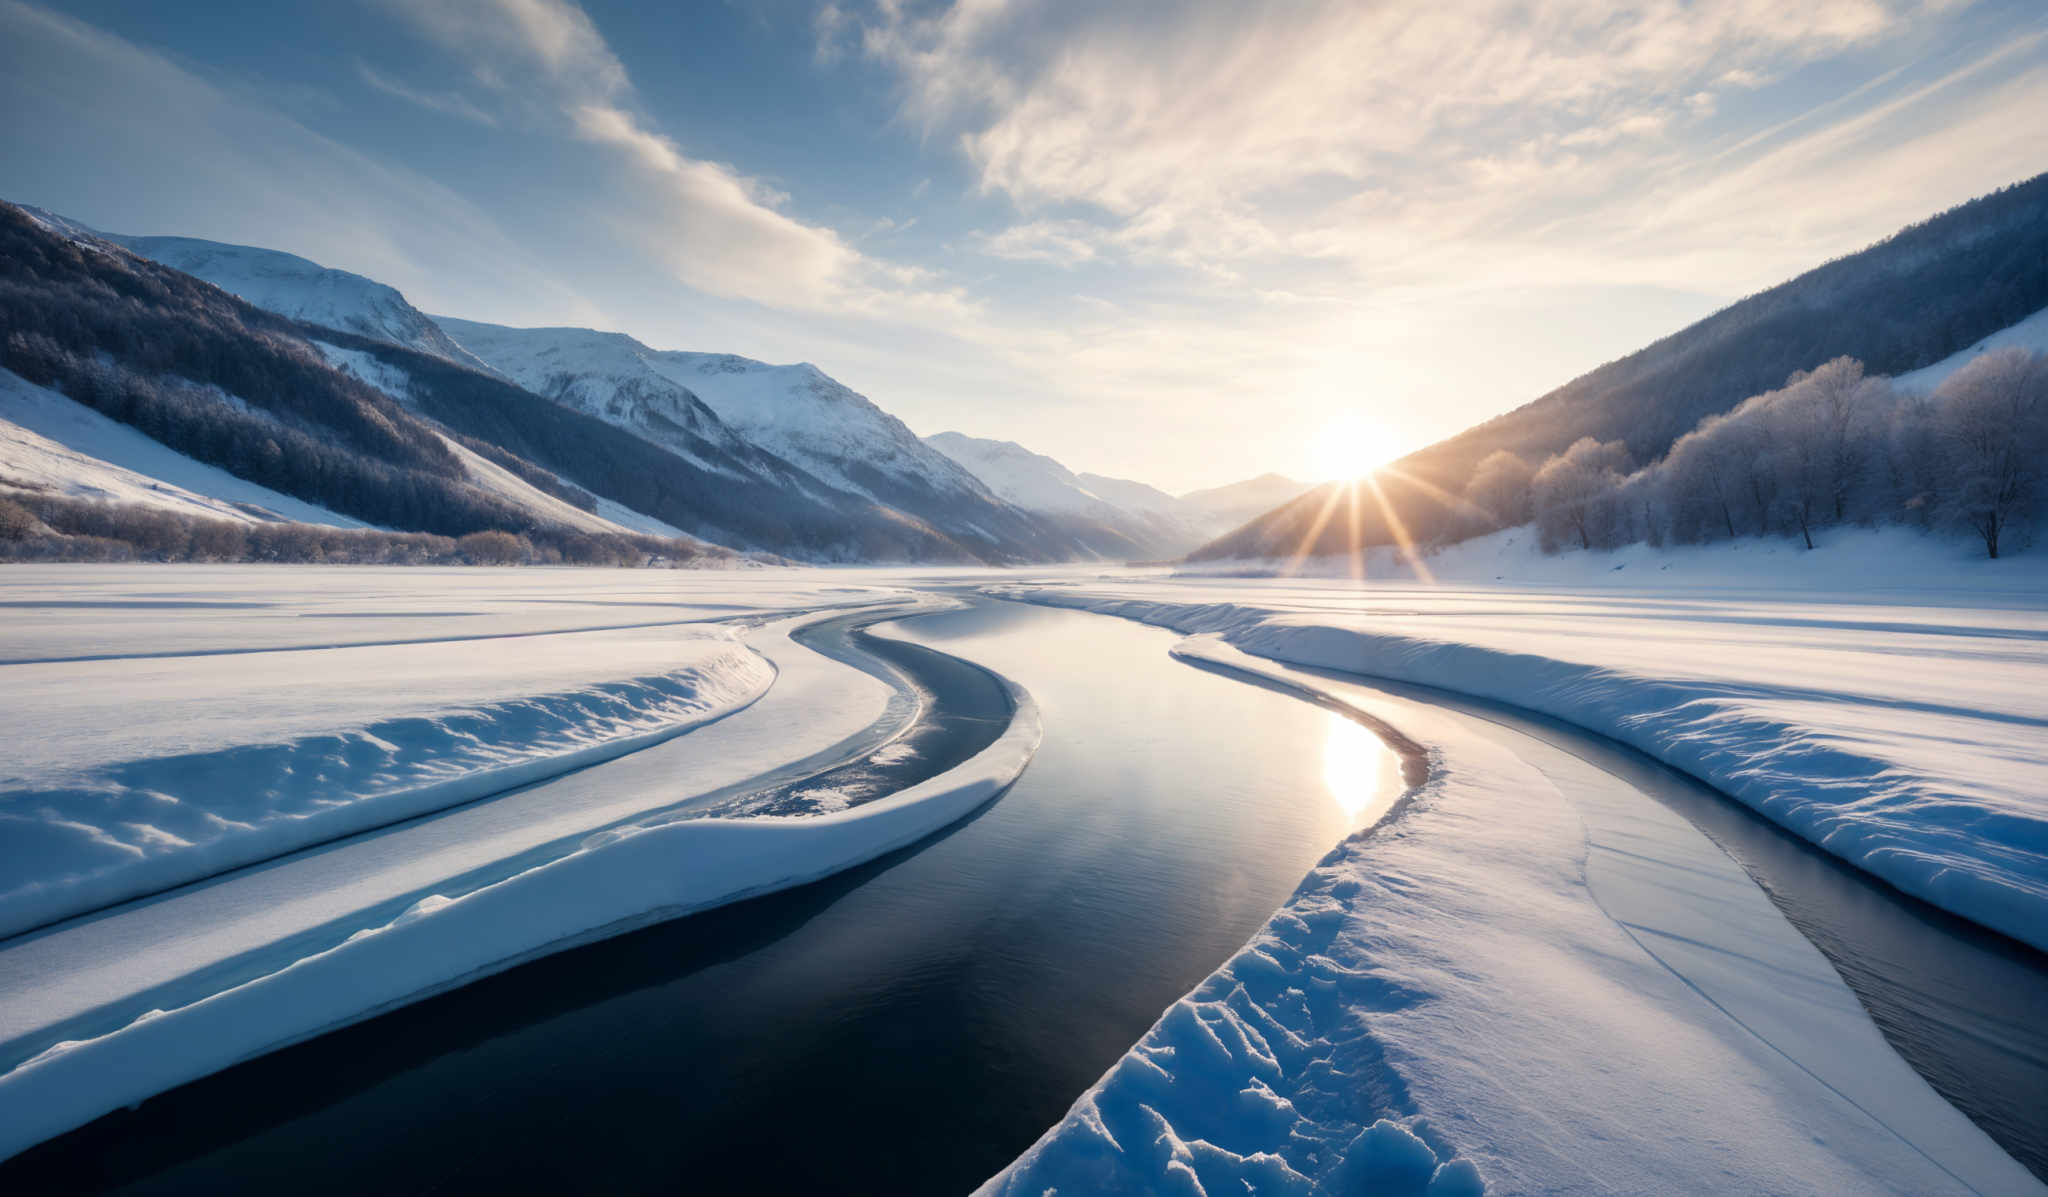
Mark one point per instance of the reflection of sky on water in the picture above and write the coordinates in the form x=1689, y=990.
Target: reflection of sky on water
x=1359, y=770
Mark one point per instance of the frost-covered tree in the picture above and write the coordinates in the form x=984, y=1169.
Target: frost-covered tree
x=1914, y=462
x=1500, y=487
x=1992, y=418
x=1570, y=492
x=1702, y=482
x=1821, y=429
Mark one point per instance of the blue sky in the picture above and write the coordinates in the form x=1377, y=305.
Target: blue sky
x=1183, y=242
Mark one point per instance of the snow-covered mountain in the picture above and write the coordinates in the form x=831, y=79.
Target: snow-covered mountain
x=368, y=429
x=1132, y=496
x=1032, y=481
x=1098, y=525
x=287, y=284
x=797, y=413
x=1223, y=508
x=784, y=458
x=603, y=374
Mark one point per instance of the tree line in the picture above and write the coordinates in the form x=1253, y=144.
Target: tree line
x=1833, y=446
x=45, y=527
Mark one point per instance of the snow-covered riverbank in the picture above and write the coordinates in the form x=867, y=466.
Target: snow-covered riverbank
x=1531, y=979
x=108, y=1009
x=130, y=777
x=1906, y=732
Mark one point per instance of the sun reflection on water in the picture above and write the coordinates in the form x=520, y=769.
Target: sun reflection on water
x=1359, y=770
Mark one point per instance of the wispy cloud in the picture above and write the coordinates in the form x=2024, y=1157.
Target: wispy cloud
x=125, y=138
x=717, y=229
x=1063, y=243
x=447, y=103
x=1216, y=134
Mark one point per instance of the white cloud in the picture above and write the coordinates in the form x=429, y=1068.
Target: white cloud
x=1217, y=135
x=1063, y=243
x=716, y=229
x=123, y=138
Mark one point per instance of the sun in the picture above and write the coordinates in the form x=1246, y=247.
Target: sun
x=1348, y=446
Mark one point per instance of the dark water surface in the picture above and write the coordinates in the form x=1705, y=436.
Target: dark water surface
x=907, y=1027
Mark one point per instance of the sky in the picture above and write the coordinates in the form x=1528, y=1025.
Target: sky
x=1183, y=242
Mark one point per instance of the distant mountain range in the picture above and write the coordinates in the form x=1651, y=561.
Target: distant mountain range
x=536, y=430
x=1909, y=301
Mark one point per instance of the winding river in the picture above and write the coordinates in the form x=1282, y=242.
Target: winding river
x=913, y=1024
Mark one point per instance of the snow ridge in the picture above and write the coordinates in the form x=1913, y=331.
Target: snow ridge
x=288, y=285
x=140, y=826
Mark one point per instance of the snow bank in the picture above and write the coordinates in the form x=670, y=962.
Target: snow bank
x=619, y=879
x=90, y=976
x=273, y=752
x=1531, y=978
x=1909, y=741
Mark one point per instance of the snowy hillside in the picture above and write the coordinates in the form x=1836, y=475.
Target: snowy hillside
x=603, y=374
x=289, y=285
x=2030, y=334
x=790, y=415
x=52, y=445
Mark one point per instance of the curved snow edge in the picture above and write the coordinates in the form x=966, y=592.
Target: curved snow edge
x=1787, y=773
x=468, y=753
x=1240, y=1060
x=617, y=881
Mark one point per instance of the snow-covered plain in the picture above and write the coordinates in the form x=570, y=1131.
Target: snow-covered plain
x=113, y=1006
x=1905, y=730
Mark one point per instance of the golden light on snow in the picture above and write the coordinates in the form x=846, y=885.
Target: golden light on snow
x=1358, y=769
